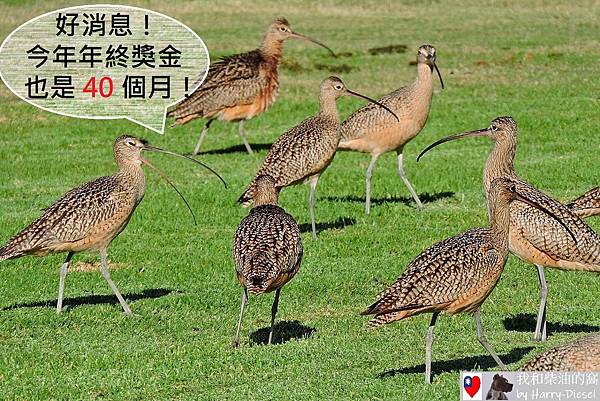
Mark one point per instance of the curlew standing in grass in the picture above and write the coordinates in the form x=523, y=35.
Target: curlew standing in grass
x=371, y=130
x=91, y=216
x=581, y=355
x=586, y=205
x=304, y=152
x=267, y=249
x=535, y=238
x=455, y=275
x=241, y=86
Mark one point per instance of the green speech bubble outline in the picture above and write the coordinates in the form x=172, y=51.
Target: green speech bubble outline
x=109, y=8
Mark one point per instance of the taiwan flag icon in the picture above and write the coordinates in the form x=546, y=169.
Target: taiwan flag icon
x=471, y=386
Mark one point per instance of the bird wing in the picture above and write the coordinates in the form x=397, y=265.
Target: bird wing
x=440, y=274
x=73, y=216
x=231, y=81
x=585, y=205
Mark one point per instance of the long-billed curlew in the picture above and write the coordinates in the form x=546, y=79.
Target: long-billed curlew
x=586, y=205
x=370, y=130
x=534, y=237
x=91, y=216
x=455, y=275
x=267, y=248
x=241, y=86
x=581, y=355
x=305, y=151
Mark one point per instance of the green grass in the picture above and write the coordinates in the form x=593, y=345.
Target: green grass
x=535, y=60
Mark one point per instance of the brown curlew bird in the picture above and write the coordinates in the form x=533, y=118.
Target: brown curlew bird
x=534, y=237
x=304, y=152
x=581, y=355
x=241, y=86
x=370, y=130
x=455, y=275
x=267, y=248
x=91, y=216
x=586, y=205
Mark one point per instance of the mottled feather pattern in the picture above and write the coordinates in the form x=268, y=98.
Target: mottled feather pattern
x=582, y=354
x=267, y=245
x=73, y=216
x=587, y=204
x=443, y=273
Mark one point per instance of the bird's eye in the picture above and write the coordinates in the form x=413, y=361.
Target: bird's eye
x=131, y=143
x=494, y=127
x=338, y=87
x=282, y=29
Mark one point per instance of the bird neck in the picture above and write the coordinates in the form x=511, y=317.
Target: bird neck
x=133, y=175
x=499, y=223
x=424, y=76
x=272, y=49
x=328, y=106
x=500, y=162
x=270, y=197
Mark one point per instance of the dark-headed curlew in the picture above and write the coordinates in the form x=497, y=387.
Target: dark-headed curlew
x=372, y=130
x=241, y=86
x=580, y=355
x=534, y=237
x=304, y=152
x=455, y=275
x=91, y=216
x=267, y=248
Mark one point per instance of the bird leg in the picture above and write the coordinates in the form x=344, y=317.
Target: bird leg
x=202, y=136
x=405, y=179
x=243, y=136
x=540, y=325
x=428, y=347
x=483, y=341
x=273, y=313
x=61, y=282
x=106, y=275
x=311, y=204
x=236, y=340
x=368, y=191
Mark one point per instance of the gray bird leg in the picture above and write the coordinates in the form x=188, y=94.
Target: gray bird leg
x=368, y=190
x=273, y=313
x=311, y=204
x=243, y=136
x=540, y=324
x=236, y=339
x=405, y=179
x=202, y=136
x=483, y=341
x=61, y=282
x=428, y=347
x=106, y=275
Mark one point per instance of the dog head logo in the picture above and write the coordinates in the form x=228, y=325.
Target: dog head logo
x=500, y=386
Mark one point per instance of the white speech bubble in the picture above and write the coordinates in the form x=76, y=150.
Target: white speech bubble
x=129, y=52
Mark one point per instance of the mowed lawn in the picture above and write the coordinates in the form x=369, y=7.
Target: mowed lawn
x=537, y=61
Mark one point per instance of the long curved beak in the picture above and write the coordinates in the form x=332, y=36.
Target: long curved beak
x=297, y=35
x=479, y=132
x=439, y=75
x=159, y=150
x=358, y=95
x=521, y=198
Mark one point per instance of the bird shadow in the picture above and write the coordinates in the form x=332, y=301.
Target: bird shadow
x=340, y=223
x=467, y=363
x=236, y=149
x=525, y=322
x=407, y=200
x=283, y=332
x=94, y=299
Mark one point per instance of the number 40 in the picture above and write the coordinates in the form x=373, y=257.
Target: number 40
x=104, y=88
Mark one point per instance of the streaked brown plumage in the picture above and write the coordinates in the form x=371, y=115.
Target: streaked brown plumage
x=304, y=152
x=535, y=238
x=89, y=217
x=455, y=275
x=586, y=205
x=372, y=130
x=241, y=86
x=581, y=355
x=267, y=248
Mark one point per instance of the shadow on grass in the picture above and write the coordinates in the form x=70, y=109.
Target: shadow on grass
x=236, y=149
x=525, y=322
x=467, y=363
x=94, y=299
x=283, y=332
x=340, y=223
x=407, y=200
